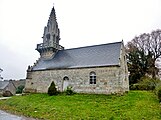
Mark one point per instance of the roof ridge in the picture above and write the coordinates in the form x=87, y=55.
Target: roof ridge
x=93, y=46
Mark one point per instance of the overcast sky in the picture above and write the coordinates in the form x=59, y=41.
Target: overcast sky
x=81, y=23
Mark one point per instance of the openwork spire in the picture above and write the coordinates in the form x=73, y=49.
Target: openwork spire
x=50, y=37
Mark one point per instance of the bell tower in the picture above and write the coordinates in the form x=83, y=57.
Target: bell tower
x=51, y=38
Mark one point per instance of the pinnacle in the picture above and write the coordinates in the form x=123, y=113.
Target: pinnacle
x=52, y=14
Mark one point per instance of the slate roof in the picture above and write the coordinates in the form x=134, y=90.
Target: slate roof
x=3, y=84
x=90, y=56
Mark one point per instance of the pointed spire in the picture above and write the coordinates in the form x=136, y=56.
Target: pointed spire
x=51, y=31
x=50, y=37
x=52, y=14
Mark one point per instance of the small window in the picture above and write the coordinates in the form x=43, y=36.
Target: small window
x=54, y=38
x=92, y=78
x=48, y=36
x=57, y=40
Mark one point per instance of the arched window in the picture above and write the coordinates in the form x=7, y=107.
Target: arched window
x=92, y=78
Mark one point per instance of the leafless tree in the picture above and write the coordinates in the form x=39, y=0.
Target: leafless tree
x=150, y=45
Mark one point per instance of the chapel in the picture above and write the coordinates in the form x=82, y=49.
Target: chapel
x=96, y=69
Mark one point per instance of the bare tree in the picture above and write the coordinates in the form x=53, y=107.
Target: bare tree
x=150, y=47
x=155, y=44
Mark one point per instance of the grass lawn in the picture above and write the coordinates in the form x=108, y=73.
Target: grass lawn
x=136, y=105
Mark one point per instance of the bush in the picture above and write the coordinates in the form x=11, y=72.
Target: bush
x=19, y=89
x=52, y=89
x=69, y=91
x=146, y=83
x=7, y=93
x=157, y=87
x=142, y=87
x=158, y=90
x=159, y=94
x=133, y=87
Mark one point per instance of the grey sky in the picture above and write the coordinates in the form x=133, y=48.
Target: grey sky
x=81, y=23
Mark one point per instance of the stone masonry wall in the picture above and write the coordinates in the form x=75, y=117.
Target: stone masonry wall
x=47, y=54
x=124, y=70
x=108, y=80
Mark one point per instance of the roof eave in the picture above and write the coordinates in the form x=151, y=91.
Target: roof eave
x=117, y=65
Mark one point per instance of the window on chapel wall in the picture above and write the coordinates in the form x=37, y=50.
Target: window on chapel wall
x=92, y=79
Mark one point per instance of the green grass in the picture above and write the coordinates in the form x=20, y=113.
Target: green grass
x=136, y=105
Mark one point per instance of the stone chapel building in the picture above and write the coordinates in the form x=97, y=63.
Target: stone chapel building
x=98, y=69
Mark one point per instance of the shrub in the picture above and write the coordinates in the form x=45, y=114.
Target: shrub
x=158, y=90
x=141, y=87
x=132, y=87
x=146, y=83
x=157, y=87
x=19, y=89
x=7, y=93
x=52, y=89
x=159, y=94
x=69, y=91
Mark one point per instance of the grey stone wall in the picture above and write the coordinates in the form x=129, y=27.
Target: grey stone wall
x=108, y=80
x=47, y=54
x=124, y=69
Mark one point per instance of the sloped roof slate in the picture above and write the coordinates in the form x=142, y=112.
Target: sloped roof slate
x=90, y=56
x=3, y=84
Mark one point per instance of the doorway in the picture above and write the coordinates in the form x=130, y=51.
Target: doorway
x=65, y=83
